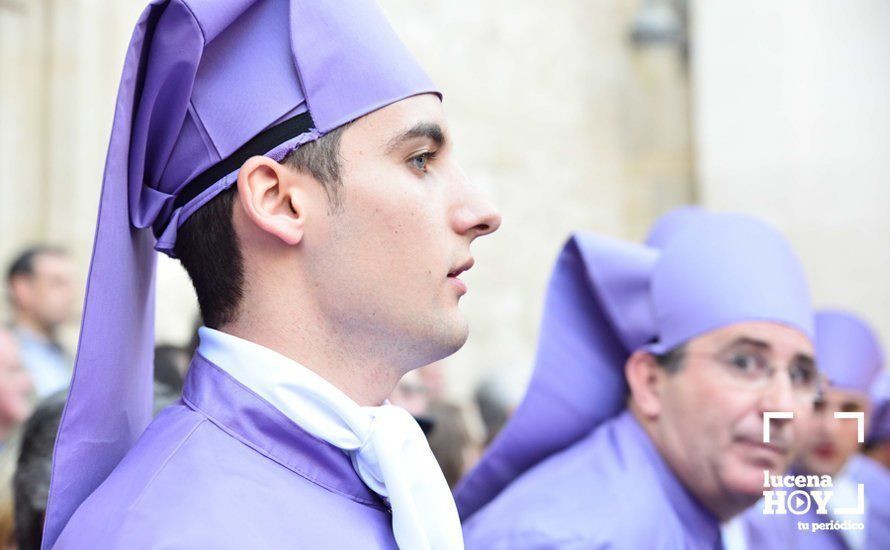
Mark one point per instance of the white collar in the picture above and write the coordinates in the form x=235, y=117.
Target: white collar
x=387, y=448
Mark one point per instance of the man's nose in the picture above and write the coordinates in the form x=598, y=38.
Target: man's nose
x=477, y=215
x=779, y=395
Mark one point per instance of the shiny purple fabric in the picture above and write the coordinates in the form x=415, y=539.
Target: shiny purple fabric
x=225, y=469
x=612, y=489
x=200, y=78
x=879, y=428
x=607, y=298
x=847, y=350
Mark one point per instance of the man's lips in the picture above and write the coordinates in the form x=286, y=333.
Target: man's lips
x=825, y=451
x=460, y=268
x=455, y=273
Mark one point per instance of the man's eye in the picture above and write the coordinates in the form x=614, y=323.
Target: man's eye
x=421, y=162
x=746, y=363
x=802, y=375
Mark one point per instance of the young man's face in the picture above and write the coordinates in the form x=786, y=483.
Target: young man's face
x=386, y=262
x=827, y=443
x=711, y=421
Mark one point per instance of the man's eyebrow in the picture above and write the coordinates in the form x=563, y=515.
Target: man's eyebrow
x=747, y=341
x=430, y=130
x=765, y=346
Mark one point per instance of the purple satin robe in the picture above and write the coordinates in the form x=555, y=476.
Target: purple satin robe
x=780, y=532
x=611, y=489
x=223, y=468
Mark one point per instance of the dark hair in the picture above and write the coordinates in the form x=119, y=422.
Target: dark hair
x=672, y=361
x=33, y=470
x=207, y=245
x=23, y=264
x=34, y=466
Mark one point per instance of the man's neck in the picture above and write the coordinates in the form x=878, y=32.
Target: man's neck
x=35, y=329
x=363, y=376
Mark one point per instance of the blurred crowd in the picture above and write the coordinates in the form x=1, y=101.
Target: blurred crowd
x=35, y=370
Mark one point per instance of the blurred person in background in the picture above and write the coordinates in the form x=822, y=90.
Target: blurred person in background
x=433, y=377
x=41, y=290
x=412, y=395
x=296, y=159
x=16, y=390
x=452, y=442
x=33, y=470
x=849, y=355
x=877, y=446
x=8, y=456
x=497, y=397
x=443, y=423
x=171, y=364
x=33, y=464
x=659, y=453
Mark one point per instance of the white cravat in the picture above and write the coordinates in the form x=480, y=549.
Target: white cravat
x=732, y=533
x=387, y=448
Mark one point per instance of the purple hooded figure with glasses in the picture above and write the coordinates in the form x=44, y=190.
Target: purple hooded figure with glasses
x=643, y=424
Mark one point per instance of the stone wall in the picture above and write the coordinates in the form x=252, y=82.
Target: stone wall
x=793, y=124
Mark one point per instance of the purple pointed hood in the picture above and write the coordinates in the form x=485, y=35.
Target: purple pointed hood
x=847, y=350
x=849, y=354
x=206, y=84
x=879, y=423
x=699, y=271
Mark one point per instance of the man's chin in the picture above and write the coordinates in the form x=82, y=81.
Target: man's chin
x=450, y=335
x=458, y=335
x=747, y=481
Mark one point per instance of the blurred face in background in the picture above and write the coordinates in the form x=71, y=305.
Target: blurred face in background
x=15, y=385
x=411, y=394
x=827, y=443
x=705, y=412
x=45, y=298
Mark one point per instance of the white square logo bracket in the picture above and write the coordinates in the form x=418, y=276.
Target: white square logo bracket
x=860, y=420
x=769, y=415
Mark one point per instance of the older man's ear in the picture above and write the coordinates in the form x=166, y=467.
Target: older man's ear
x=644, y=379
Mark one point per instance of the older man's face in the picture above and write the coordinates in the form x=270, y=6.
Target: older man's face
x=711, y=422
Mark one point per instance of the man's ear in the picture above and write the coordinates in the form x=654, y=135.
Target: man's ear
x=645, y=378
x=272, y=198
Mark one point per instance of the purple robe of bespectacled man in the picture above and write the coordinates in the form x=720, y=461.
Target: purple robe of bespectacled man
x=612, y=489
x=573, y=468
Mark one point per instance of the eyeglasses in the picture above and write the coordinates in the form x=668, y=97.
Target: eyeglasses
x=752, y=370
